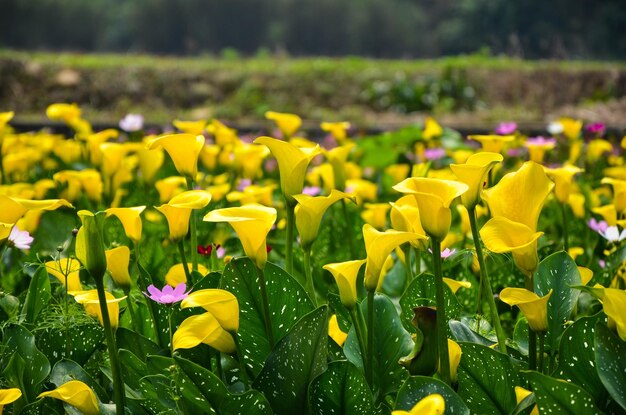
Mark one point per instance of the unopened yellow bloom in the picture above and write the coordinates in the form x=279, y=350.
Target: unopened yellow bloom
x=221, y=304
x=337, y=129
x=131, y=220
x=431, y=405
x=8, y=396
x=203, y=328
x=176, y=274
x=178, y=211
x=77, y=394
x=432, y=129
x=454, y=351
x=184, y=150
x=474, y=173
x=534, y=308
x=334, y=331
x=13, y=208
x=376, y=214
x=309, y=213
x=614, y=303
x=66, y=267
x=190, y=127
x=118, y=260
x=345, y=274
x=89, y=300
x=252, y=223
x=454, y=285
x=288, y=124
x=492, y=143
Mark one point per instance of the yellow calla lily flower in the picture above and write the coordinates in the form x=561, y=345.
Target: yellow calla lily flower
x=95, y=140
x=433, y=197
x=117, y=264
x=405, y=217
x=13, y=208
x=63, y=267
x=608, y=213
x=131, y=220
x=184, y=150
x=619, y=193
x=288, y=124
x=223, y=134
x=337, y=129
x=335, y=332
x=253, y=194
x=337, y=157
x=249, y=160
x=474, y=173
x=5, y=117
x=501, y=235
x=221, y=304
x=432, y=129
x=176, y=274
x=521, y=394
x=345, y=274
x=63, y=112
x=454, y=285
x=585, y=275
x=292, y=164
x=203, y=328
x=571, y=127
x=252, y=223
x=519, y=196
x=614, y=303
x=454, y=352
x=492, y=143
x=8, y=396
x=178, y=211
x=375, y=214
x=190, y=127
x=150, y=161
x=309, y=213
x=89, y=300
x=378, y=246
x=431, y=405
x=534, y=308
x=563, y=179
x=170, y=187
x=77, y=394
x=576, y=202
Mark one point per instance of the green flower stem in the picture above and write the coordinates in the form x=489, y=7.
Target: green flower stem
x=350, y=233
x=309, y=286
x=291, y=219
x=442, y=332
x=359, y=328
x=118, y=384
x=418, y=261
x=532, y=336
x=183, y=258
x=542, y=337
x=131, y=310
x=407, y=265
x=369, y=356
x=169, y=326
x=242, y=366
x=194, y=234
x=565, y=230
x=143, y=286
x=485, y=284
x=265, y=307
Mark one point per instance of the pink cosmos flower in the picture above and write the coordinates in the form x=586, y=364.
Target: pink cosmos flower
x=434, y=153
x=20, y=239
x=131, y=123
x=597, y=226
x=311, y=190
x=445, y=253
x=506, y=128
x=168, y=295
x=537, y=141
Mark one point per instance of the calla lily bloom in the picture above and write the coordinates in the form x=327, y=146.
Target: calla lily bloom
x=221, y=304
x=184, y=150
x=5, y=117
x=521, y=394
x=608, y=213
x=89, y=300
x=176, y=274
x=69, y=267
x=337, y=158
x=431, y=405
x=249, y=159
x=77, y=394
x=585, y=275
x=150, y=161
x=63, y=112
x=117, y=264
x=252, y=223
x=537, y=147
x=619, y=193
x=334, y=331
x=501, y=235
x=375, y=214
x=432, y=129
x=405, y=217
x=178, y=211
x=563, y=179
x=190, y=127
x=203, y=328
x=454, y=285
x=378, y=246
x=309, y=213
x=292, y=164
x=433, y=197
x=288, y=124
x=614, y=303
x=571, y=128
x=337, y=129
x=13, y=208
x=131, y=220
x=90, y=245
x=535, y=308
x=492, y=143
x=345, y=274
x=112, y=156
x=8, y=396
x=170, y=187
x=455, y=352
x=474, y=173
x=253, y=194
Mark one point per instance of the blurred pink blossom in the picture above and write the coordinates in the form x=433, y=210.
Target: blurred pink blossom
x=20, y=239
x=506, y=128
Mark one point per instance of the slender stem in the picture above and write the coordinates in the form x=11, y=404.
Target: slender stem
x=242, y=365
x=265, y=307
x=118, y=384
x=418, y=261
x=542, y=337
x=291, y=218
x=408, y=270
x=565, y=230
x=442, y=333
x=484, y=282
x=551, y=362
x=348, y=219
x=131, y=310
x=309, y=286
x=218, y=365
x=359, y=328
x=194, y=234
x=369, y=356
x=532, y=336
x=171, y=331
x=183, y=258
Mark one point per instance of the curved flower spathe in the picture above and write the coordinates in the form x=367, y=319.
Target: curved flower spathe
x=345, y=274
x=405, y=217
x=77, y=394
x=221, y=304
x=431, y=405
x=178, y=211
x=184, y=149
x=131, y=220
x=91, y=303
x=287, y=123
x=309, y=213
x=474, y=173
x=66, y=268
x=203, y=328
x=535, y=308
x=614, y=303
x=563, y=179
x=118, y=260
x=8, y=396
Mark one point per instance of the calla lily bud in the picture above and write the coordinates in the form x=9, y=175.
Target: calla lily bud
x=535, y=308
x=90, y=245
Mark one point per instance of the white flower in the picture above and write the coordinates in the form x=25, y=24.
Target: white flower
x=612, y=234
x=555, y=128
x=131, y=123
x=20, y=239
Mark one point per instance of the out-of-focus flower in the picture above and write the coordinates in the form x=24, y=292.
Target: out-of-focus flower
x=337, y=129
x=563, y=179
x=184, y=149
x=8, y=396
x=597, y=225
x=447, y=253
x=435, y=153
x=612, y=234
x=311, y=190
x=554, y=128
x=131, y=123
x=77, y=394
x=492, y=143
x=376, y=214
x=176, y=274
x=537, y=147
x=168, y=295
x=596, y=128
x=614, y=303
x=20, y=239
x=190, y=127
x=5, y=117
x=288, y=124
x=506, y=128
x=597, y=148
x=571, y=127
x=432, y=129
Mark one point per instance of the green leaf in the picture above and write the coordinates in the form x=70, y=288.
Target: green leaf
x=610, y=362
x=391, y=342
x=9, y=306
x=39, y=295
x=77, y=342
x=136, y=343
x=487, y=380
x=298, y=358
x=558, y=397
x=342, y=389
x=421, y=292
x=66, y=370
x=417, y=388
x=557, y=272
x=464, y=333
x=288, y=302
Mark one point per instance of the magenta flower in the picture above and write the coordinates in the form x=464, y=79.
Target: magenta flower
x=506, y=128
x=20, y=239
x=514, y=152
x=597, y=226
x=596, y=128
x=168, y=295
x=434, y=153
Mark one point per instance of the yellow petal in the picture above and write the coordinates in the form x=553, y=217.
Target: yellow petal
x=335, y=332
x=131, y=220
x=66, y=267
x=608, y=213
x=176, y=274
x=77, y=394
x=91, y=303
x=431, y=405
x=454, y=351
x=614, y=303
x=309, y=213
x=585, y=275
x=337, y=158
x=521, y=394
x=203, y=328
x=221, y=304
x=190, y=127
x=474, y=173
x=375, y=214
x=184, y=150
x=191, y=199
x=563, y=179
x=118, y=260
x=177, y=220
x=534, y=308
x=287, y=123
x=619, y=192
x=492, y=143
x=8, y=396
x=432, y=129
x=169, y=187
x=455, y=284
x=345, y=274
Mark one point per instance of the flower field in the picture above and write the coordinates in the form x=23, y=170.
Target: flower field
x=415, y=271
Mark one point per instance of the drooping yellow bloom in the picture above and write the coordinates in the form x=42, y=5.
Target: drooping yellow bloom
x=432, y=129
x=63, y=267
x=292, y=164
x=288, y=124
x=117, y=264
x=474, y=173
x=176, y=274
x=614, y=303
x=431, y=405
x=534, y=308
x=309, y=213
x=131, y=220
x=337, y=129
x=521, y=394
x=178, y=211
x=345, y=274
x=492, y=143
x=376, y=214
x=8, y=396
x=184, y=150
x=337, y=157
x=405, y=217
x=221, y=304
x=585, y=275
x=619, y=193
x=563, y=180
x=77, y=394
x=252, y=223
x=334, y=331
x=378, y=246
x=433, y=197
x=203, y=328
x=89, y=300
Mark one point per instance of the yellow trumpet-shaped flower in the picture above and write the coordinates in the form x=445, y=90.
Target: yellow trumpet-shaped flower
x=376, y=214
x=89, y=300
x=131, y=220
x=221, y=304
x=309, y=213
x=614, y=303
x=117, y=264
x=337, y=157
x=608, y=213
x=432, y=129
x=252, y=223
x=178, y=210
x=8, y=396
x=474, y=173
x=345, y=274
x=431, y=405
x=184, y=150
x=94, y=141
x=63, y=112
x=519, y=196
x=405, y=217
x=249, y=160
x=563, y=180
x=501, y=235
x=176, y=274
x=203, y=328
x=585, y=275
x=5, y=117
x=150, y=161
x=492, y=143
x=378, y=246
x=433, y=197
x=13, y=208
x=337, y=129
x=571, y=127
x=454, y=285
x=190, y=127
x=521, y=394
x=63, y=267
x=455, y=352
x=288, y=124
x=619, y=193
x=292, y=164
x=77, y=394
x=534, y=308
x=335, y=332
x=170, y=187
